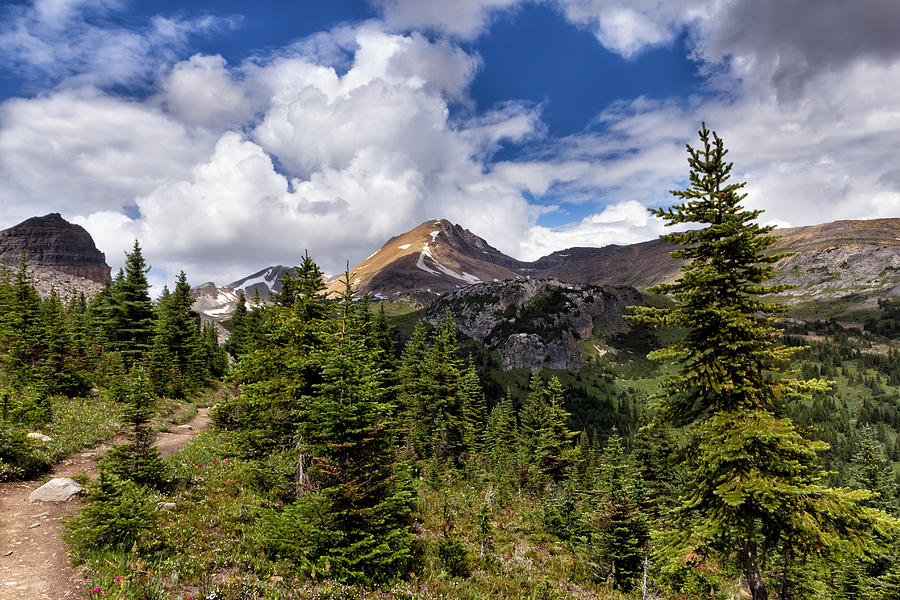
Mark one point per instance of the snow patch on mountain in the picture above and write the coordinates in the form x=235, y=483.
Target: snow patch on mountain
x=420, y=262
x=224, y=296
x=426, y=251
x=265, y=278
x=404, y=246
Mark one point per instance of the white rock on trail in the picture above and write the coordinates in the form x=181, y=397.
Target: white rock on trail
x=56, y=490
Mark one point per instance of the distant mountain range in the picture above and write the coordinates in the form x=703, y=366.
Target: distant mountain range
x=835, y=267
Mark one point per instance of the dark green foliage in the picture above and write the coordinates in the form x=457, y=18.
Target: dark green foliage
x=887, y=322
x=138, y=460
x=441, y=401
x=655, y=457
x=355, y=469
x=177, y=361
x=870, y=470
x=503, y=435
x=600, y=404
x=276, y=369
x=212, y=355
x=20, y=329
x=18, y=457
x=316, y=388
x=116, y=513
x=58, y=370
x=454, y=556
x=126, y=311
x=474, y=411
x=302, y=532
x=236, y=344
x=617, y=526
x=755, y=481
x=545, y=447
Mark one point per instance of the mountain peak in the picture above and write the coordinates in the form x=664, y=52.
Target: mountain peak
x=51, y=241
x=433, y=257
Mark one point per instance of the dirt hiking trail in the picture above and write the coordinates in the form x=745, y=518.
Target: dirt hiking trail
x=33, y=559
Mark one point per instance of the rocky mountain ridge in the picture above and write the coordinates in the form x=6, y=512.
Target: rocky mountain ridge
x=219, y=302
x=848, y=264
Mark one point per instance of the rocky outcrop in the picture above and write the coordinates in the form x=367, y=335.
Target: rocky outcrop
x=537, y=323
x=51, y=241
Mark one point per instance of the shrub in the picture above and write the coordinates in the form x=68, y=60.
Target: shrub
x=454, y=556
x=117, y=513
x=18, y=458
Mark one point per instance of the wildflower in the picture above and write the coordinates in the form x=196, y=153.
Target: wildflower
x=97, y=590
x=118, y=578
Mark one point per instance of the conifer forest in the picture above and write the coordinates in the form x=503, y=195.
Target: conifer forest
x=357, y=451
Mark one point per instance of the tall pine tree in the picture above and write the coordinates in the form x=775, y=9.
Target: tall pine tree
x=356, y=474
x=756, y=483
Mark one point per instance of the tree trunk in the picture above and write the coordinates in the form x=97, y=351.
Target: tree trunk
x=644, y=580
x=785, y=579
x=750, y=566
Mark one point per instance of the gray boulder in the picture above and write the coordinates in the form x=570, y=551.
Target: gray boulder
x=56, y=490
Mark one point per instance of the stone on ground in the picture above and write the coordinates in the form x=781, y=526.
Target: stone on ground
x=56, y=490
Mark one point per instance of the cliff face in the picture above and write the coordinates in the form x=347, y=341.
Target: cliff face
x=537, y=323
x=51, y=241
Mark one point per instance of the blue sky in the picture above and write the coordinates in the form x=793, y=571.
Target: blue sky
x=228, y=136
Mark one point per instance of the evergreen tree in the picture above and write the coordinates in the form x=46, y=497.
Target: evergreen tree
x=20, y=326
x=503, y=436
x=382, y=341
x=127, y=313
x=57, y=370
x=871, y=470
x=755, y=480
x=356, y=473
x=412, y=389
x=138, y=460
x=554, y=438
x=176, y=357
x=432, y=395
x=214, y=358
x=654, y=456
x=237, y=339
x=116, y=513
x=277, y=369
x=618, y=526
x=533, y=418
x=440, y=411
x=474, y=411
x=85, y=350
x=101, y=312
